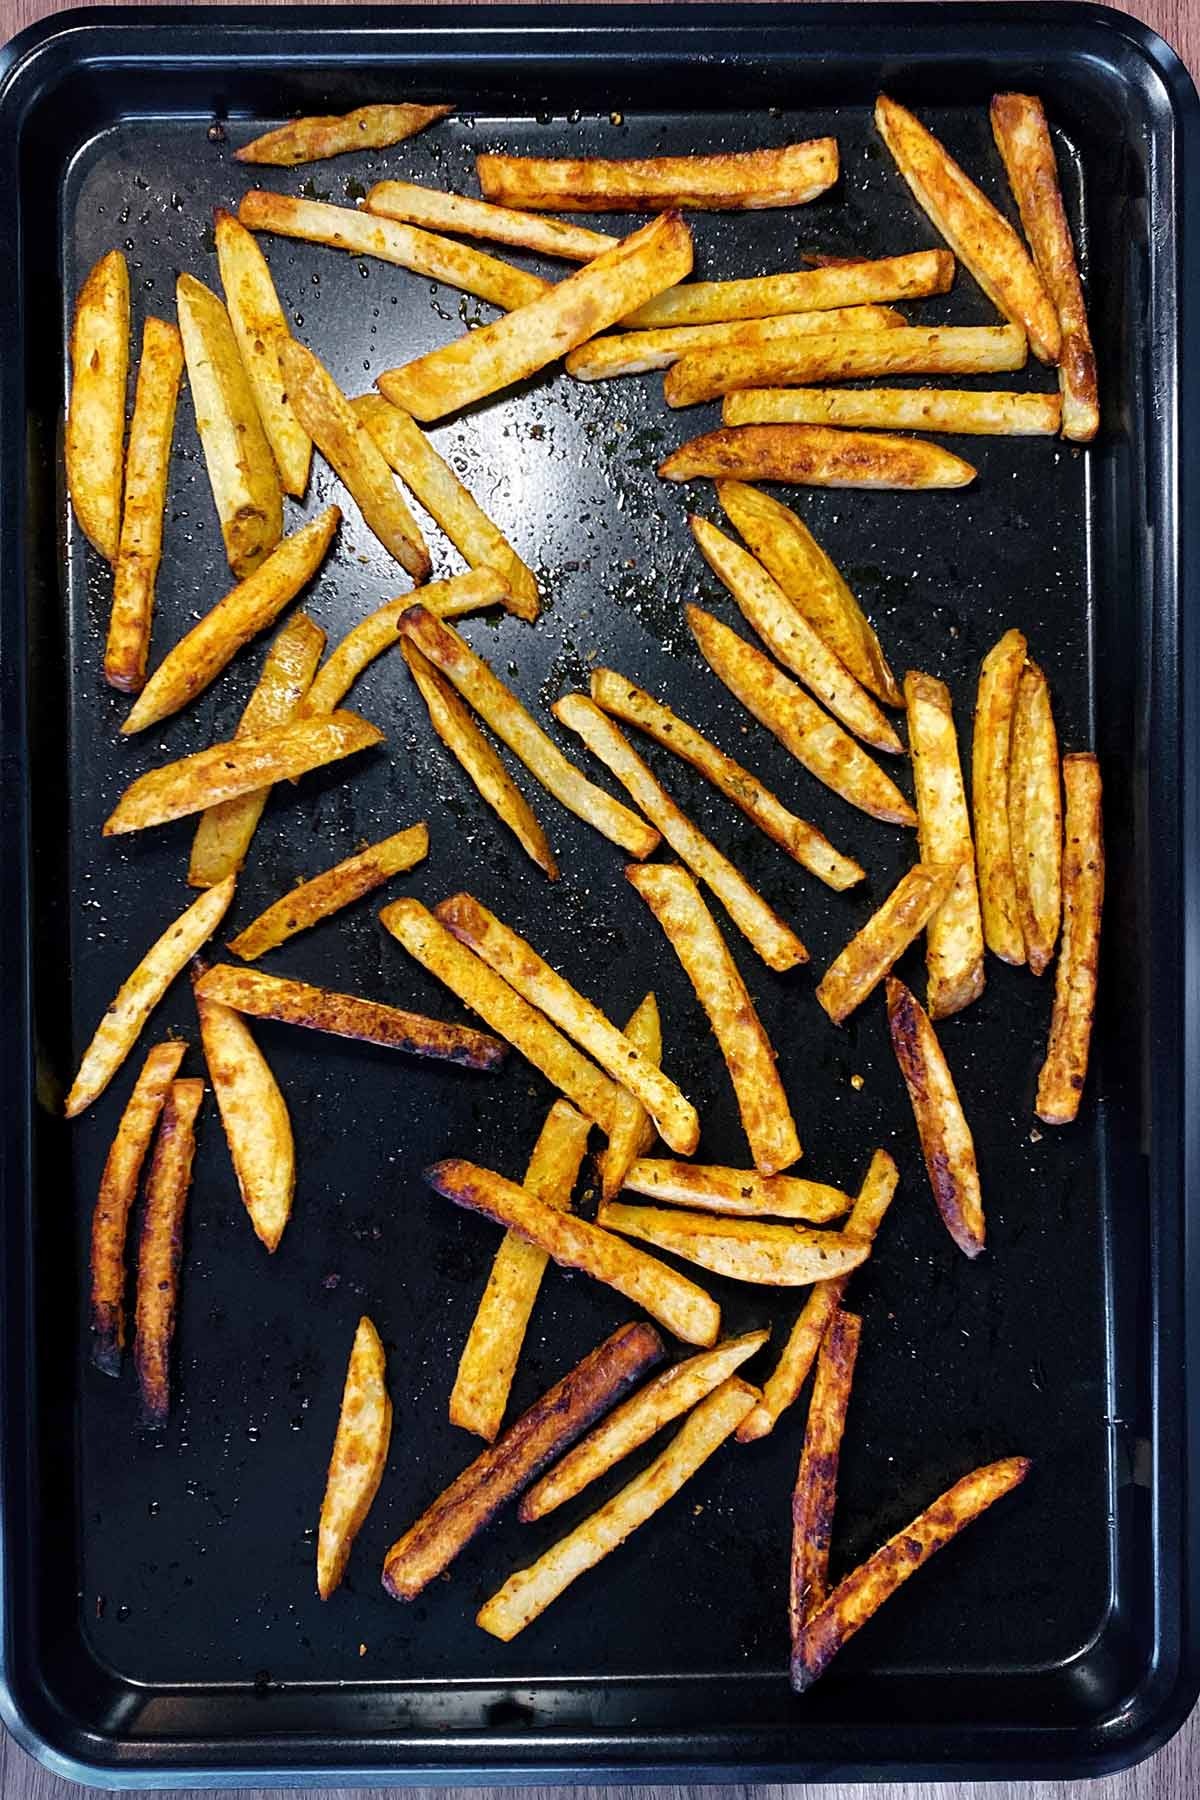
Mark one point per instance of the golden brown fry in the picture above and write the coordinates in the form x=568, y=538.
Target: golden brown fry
x=95, y=430
x=160, y=1249
x=982, y=238
x=333, y=134
x=1035, y=817
x=882, y=941
x=826, y=289
x=141, y=992
x=146, y=467
x=898, y=409
x=946, y=1141
x=636, y=352
x=813, y=738
x=994, y=707
x=489, y=1359
x=254, y=1116
x=633, y=1130
x=118, y=1190
x=347, y=881
x=954, y=935
x=1060, y=1083
x=360, y=1450
x=733, y=181
x=466, y=217
x=741, y=1249
x=531, y=1591
x=674, y=899
x=816, y=456
x=261, y=332
x=742, y=1192
x=759, y=923
x=550, y=1425
x=815, y=1493
x=590, y=300
x=862, y=1593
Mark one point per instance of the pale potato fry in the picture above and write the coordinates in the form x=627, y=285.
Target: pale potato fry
x=467, y=217
x=860, y=1595
x=871, y=952
x=489, y=1359
x=95, y=429
x=815, y=1493
x=1035, y=817
x=994, y=707
x=333, y=134
x=201, y=654
x=827, y=289
x=733, y=181
x=742, y=1192
x=946, y=1141
x=146, y=467
x=760, y=924
x=674, y=899
x=481, y=543
x=241, y=468
x=898, y=409
x=141, y=992
x=813, y=738
x=499, y=707
x=315, y=899
x=633, y=1129
x=261, y=331
x=591, y=299
x=361, y=234
x=360, y=1451
x=954, y=935
x=518, y=963
x=114, y=1202
x=160, y=1248
x=527, y=1594
x=254, y=1115
x=636, y=352
x=224, y=771
x=1060, y=1083
x=742, y=1249
x=982, y=238
x=817, y=456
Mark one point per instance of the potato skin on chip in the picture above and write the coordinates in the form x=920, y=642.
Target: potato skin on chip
x=160, y=1251
x=95, y=429
x=359, y=1457
x=1061, y=1082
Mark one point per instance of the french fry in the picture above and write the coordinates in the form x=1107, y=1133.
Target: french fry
x=224, y=771
x=898, y=409
x=141, y=992
x=736, y=181
x=860, y=1595
x=946, y=1141
x=591, y=299
x=633, y=1129
x=489, y=1359
x=361, y=234
x=789, y=636
x=360, y=1450
x=741, y=1192
x=1060, y=1083
x=114, y=1202
x=481, y=543
x=499, y=707
x=827, y=289
x=871, y=952
x=636, y=352
x=676, y=1303
x=674, y=899
x=95, y=430
x=676, y=1391
x=241, y=467
x=1023, y=140
x=774, y=940
x=467, y=217
x=817, y=456
x=994, y=707
x=347, y=881
x=815, y=1493
x=454, y=724
x=160, y=1249
x=740, y=1249
x=518, y=963
x=261, y=331
x=527, y=1030
x=982, y=238
x=333, y=134
x=1035, y=817
x=801, y=726
x=254, y=1116
x=954, y=935
x=527, y=1594
x=792, y=556
x=803, y=842
x=549, y=1427
x=346, y=1015
x=146, y=466
x=201, y=654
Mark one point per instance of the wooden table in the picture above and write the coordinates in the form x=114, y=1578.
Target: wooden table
x=1174, y=1774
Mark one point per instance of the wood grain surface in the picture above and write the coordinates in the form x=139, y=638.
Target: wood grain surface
x=1174, y=1774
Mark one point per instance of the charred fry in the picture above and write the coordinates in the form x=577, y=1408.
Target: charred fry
x=946, y=1141
x=815, y=1493
x=160, y=1251
x=871, y=952
x=1060, y=1084
x=816, y=456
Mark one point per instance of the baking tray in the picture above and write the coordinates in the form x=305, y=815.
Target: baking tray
x=160, y=1624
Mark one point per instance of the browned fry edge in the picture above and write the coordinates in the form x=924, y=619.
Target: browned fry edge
x=815, y=1494
x=160, y=1251
x=905, y=1012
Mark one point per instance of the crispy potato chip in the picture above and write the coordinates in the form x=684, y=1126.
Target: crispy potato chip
x=467, y=217
x=160, y=1249
x=994, y=708
x=333, y=134
x=360, y=1450
x=261, y=332
x=633, y=1130
x=946, y=1141
x=954, y=935
x=1035, y=817
x=347, y=881
x=742, y=1192
x=1060, y=1084
x=254, y=1116
x=734, y=181
x=815, y=1493
x=898, y=409
x=95, y=430
x=146, y=467
x=674, y=899
x=829, y=289
x=636, y=352
x=816, y=456
x=882, y=941
x=742, y=1249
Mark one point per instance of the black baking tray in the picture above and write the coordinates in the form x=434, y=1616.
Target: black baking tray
x=160, y=1623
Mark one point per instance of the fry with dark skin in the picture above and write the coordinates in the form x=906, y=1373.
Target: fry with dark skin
x=946, y=1141
x=816, y=1482
x=817, y=456
x=161, y=1249
x=1060, y=1084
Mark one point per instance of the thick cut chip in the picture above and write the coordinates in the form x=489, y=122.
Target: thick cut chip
x=898, y=409
x=95, y=430
x=995, y=705
x=467, y=217
x=146, y=468
x=1060, y=1084
x=1035, y=817
x=360, y=1450
x=327, y=893
x=815, y=1493
x=254, y=1116
x=636, y=352
x=261, y=331
x=333, y=134
x=743, y=1192
x=817, y=456
x=160, y=1249
x=741, y=1249
x=729, y=182
x=946, y=1141
x=484, y=362
x=674, y=899
x=871, y=952
x=954, y=935
x=118, y=1030
x=632, y=1131
x=829, y=289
